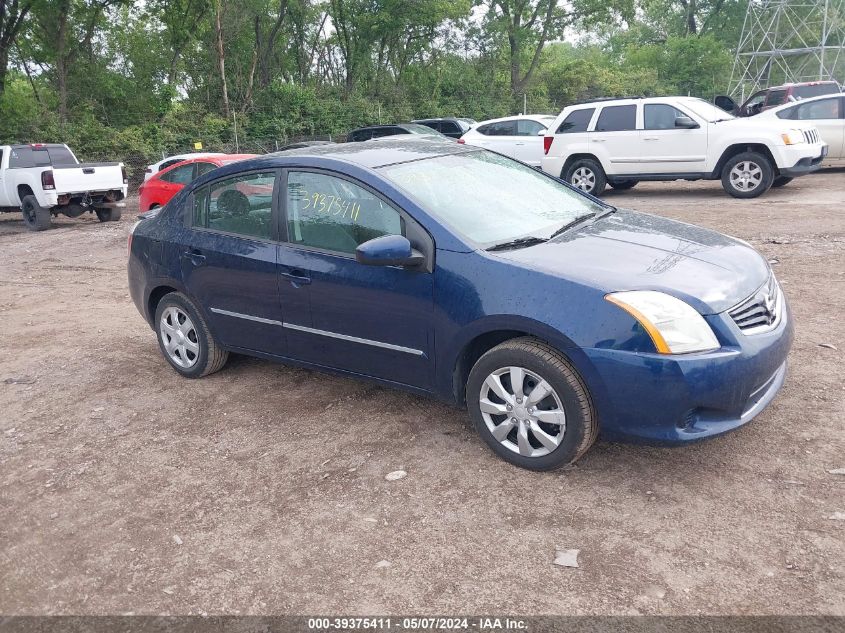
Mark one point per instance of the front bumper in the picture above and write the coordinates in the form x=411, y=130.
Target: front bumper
x=805, y=165
x=664, y=399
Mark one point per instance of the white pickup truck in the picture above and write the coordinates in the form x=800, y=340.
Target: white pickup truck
x=42, y=180
x=620, y=142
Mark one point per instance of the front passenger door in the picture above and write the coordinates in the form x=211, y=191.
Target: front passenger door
x=370, y=320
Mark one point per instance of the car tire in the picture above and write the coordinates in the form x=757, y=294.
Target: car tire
x=622, y=185
x=747, y=175
x=195, y=353
x=565, y=415
x=587, y=175
x=35, y=217
x=780, y=181
x=108, y=215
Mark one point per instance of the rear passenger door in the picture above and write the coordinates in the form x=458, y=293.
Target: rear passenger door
x=502, y=137
x=228, y=260
x=370, y=320
x=615, y=140
x=529, y=146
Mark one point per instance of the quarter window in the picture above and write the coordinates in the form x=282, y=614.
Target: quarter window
x=241, y=205
x=179, y=175
x=617, y=119
x=576, y=121
x=334, y=214
x=660, y=116
x=502, y=128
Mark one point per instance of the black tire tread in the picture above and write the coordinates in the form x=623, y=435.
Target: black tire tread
x=42, y=215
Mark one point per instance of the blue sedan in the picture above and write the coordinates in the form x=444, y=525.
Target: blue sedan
x=458, y=273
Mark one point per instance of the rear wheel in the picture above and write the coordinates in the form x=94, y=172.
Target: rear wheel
x=184, y=338
x=747, y=175
x=780, y=181
x=108, y=215
x=530, y=406
x=587, y=175
x=36, y=217
x=624, y=184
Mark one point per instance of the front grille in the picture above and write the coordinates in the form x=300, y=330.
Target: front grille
x=762, y=311
x=812, y=136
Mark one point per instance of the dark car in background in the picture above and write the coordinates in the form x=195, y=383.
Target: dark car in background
x=776, y=96
x=379, y=131
x=455, y=272
x=451, y=127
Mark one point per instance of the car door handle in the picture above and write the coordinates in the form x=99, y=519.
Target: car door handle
x=598, y=140
x=297, y=277
x=651, y=138
x=195, y=257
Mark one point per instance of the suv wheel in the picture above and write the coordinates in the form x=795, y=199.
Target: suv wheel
x=529, y=405
x=36, y=217
x=747, y=175
x=184, y=338
x=587, y=175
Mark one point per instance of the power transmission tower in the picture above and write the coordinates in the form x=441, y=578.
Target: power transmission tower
x=787, y=41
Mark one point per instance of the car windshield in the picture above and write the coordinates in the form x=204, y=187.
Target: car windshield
x=417, y=128
x=490, y=199
x=707, y=110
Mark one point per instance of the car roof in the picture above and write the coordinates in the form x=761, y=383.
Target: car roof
x=516, y=117
x=372, y=154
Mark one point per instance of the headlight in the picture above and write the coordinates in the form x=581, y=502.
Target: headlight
x=674, y=326
x=793, y=137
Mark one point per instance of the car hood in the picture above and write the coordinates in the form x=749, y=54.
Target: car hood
x=765, y=122
x=627, y=250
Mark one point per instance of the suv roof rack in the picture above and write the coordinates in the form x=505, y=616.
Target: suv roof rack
x=599, y=99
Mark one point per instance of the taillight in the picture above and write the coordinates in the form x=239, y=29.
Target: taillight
x=47, y=180
x=125, y=177
x=461, y=141
x=547, y=143
x=129, y=240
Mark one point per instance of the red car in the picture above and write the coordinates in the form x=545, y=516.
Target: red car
x=158, y=190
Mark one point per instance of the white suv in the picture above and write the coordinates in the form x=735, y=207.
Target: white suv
x=619, y=142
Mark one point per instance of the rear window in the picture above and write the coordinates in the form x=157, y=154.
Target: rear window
x=617, y=119
x=576, y=121
x=61, y=155
x=816, y=90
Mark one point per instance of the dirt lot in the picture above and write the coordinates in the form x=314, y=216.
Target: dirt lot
x=261, y=489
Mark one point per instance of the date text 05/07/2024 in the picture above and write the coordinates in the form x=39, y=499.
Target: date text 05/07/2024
x=416, y=624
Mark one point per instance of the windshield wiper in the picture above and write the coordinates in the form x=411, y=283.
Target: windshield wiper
x=577, y=220
x=520, y=242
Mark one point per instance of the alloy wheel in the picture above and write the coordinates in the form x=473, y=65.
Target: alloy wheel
x=522, y=411
x=179, y=337
x=746, y=176
x=584, y=178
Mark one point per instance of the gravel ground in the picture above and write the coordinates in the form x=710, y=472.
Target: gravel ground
x=261, y=489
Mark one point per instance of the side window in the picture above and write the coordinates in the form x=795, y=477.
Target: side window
x=776, y=98
x=450, y=127
x=576, y=121
x=617, y=119
x=60, y=155
x=243, y=205
x=503, y=128
x=818, y=110
x=660, y=116
x=179, y=175
x=527, y=127
x=170, y=162
x=204, y=168
x=334, y=214
x=41, y=157
x=21, y=157
x=381, y=132
x=484, y=129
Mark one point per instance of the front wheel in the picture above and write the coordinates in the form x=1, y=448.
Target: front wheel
x=587, y=175
x=780, y=181
x=530, y=406
x=747, y=175
x=36, y=217
x=108, y=215
x=184, y=338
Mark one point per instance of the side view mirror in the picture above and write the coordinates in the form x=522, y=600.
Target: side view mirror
x=388, y=250
x=726, y=103
x=686, y=123
x=542, y=132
